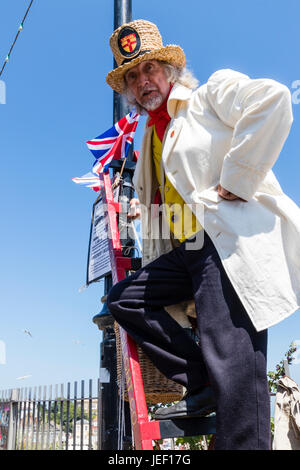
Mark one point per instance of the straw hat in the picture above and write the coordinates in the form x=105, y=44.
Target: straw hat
x=134, y=42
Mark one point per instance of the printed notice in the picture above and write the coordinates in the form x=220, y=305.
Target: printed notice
x=98, y=257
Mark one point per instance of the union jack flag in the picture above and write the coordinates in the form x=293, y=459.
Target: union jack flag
x=114, y=143
x=90, y=180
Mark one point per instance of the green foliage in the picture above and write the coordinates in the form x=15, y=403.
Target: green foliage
x=65, y=414
x=273, y=377
x=272, y=426
x=196, y=442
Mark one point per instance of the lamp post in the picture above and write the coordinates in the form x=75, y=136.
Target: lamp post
x=109, y=425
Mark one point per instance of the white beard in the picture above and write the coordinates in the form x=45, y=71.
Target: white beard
x=153, y=103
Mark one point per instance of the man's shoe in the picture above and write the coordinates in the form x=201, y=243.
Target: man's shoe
x=193, y=404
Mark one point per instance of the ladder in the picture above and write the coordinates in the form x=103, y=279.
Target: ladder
x=144, y=430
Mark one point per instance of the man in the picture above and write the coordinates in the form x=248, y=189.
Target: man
x=208, y=153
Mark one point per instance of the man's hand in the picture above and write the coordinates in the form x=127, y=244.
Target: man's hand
x=227, y=194
x=134, y=210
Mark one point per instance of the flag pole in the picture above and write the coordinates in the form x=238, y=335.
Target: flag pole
x=109, y=436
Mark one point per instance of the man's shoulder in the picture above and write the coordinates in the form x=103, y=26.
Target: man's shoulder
x=229, y=79
x=222, y=76
x=226, y=74
x=218, y=79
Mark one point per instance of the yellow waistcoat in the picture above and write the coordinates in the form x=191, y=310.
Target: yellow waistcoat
x=183, y=223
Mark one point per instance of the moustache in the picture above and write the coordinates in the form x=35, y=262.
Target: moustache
x=147, y=90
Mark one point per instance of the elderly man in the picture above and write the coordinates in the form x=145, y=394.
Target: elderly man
x=206, y=158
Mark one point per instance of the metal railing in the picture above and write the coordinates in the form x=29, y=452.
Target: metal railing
x=54, y=417
x=59, y=417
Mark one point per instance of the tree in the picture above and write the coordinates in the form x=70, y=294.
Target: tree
x=273, y=377
x=55, y=410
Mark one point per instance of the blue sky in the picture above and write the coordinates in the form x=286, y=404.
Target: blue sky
x=56, y=99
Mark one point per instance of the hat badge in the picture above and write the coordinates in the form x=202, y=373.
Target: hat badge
x=129, y=42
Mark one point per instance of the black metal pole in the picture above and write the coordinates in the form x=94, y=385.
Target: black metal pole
x=122, y=14
x=108, y=361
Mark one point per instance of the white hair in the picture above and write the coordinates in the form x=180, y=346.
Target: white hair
x=174, y=75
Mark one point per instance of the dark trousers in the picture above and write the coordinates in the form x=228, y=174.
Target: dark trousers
x=231, y=355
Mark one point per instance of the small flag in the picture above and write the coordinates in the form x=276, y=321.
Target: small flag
x=90, y=180
x=114, y=143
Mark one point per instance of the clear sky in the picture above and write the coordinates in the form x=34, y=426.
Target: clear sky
x=56, y=99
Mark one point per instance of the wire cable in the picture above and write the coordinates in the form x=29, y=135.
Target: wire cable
x=15, y=40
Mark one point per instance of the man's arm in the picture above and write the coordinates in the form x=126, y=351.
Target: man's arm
x=260, y=112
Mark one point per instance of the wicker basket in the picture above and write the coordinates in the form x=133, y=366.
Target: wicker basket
x=157, y=388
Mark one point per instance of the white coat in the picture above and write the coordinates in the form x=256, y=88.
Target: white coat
x=231, y=131
x=287, y=415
